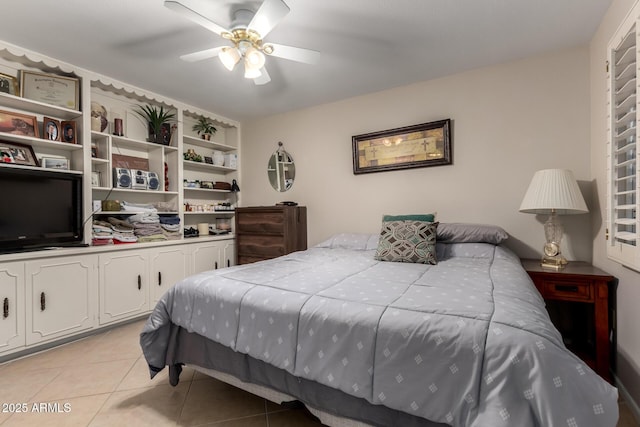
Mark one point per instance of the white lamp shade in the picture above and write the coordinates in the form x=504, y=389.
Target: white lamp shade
x=229, y=57
x=251, y=73
x=553, y=190
x=253, y=58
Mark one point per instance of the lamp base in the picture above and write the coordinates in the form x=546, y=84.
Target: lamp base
x=557, y=262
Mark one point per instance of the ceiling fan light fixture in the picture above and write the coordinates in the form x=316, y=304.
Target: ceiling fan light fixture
x=229, y=57
x=251, y=73
x=254, y=58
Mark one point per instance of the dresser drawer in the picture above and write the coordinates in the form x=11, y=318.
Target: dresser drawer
x=260, y=223
x=567, y=290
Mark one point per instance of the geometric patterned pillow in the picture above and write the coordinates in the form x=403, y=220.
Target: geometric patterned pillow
x=407, y=241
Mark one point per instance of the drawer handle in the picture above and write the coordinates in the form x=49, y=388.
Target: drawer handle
x=5, y=308
x=228, y=263
x=43, y=301
x=159, y=278
x=139, y=282
x=215, y=265
x=566, y=288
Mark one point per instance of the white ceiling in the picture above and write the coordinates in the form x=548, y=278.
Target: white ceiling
x=365, y=45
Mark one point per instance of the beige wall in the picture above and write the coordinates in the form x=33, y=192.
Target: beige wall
x=628, y=295
x=508, y=121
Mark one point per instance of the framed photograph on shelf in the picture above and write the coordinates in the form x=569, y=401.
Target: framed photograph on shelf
x=19, y=154
x=51, y=89
x=50, y=129
x=8, y=84
x=61, y=163
x=68, y=129
x=427, y=144
x=18, y=124
x=94, y=150
x=95, y=179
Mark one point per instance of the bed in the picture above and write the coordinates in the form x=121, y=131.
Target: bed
x=463, y=341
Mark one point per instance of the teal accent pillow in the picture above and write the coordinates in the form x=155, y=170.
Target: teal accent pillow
x=407, y=241
x=416, y=217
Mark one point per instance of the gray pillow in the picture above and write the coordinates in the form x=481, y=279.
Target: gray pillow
x=407, y=241
x=471, y=233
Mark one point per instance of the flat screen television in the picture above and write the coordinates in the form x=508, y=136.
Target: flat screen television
x=39, y=209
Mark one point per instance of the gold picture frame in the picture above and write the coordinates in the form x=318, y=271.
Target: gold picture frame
x=9, y=84
x=422, y=145
x=52, y=89
x=18, y=124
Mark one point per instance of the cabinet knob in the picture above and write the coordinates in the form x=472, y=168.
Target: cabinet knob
x=139, y=282
x=43, y=301
x=5, y=308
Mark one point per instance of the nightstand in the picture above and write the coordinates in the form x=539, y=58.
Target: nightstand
x=580, y=299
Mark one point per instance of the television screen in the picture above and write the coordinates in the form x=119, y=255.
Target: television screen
x=40, y=208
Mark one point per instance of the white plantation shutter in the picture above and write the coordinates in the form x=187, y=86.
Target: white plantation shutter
x=623, y=225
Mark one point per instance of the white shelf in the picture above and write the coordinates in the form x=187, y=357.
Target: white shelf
x=131, y=190
x=38, y=107
x=191, y=165
x=39, y=142
x=211, y=213
x=131, y=213
x=122, y=142
x=212, y=145
x=205, y=190
x=36, y=168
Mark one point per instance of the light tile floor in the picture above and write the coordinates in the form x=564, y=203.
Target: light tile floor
x=103, y=381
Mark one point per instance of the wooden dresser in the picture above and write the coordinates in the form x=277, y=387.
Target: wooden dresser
x=265, y=232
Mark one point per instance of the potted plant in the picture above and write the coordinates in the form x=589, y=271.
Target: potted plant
x=157, y=118
x=204, y=128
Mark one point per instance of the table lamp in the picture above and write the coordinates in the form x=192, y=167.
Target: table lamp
x=553, y=192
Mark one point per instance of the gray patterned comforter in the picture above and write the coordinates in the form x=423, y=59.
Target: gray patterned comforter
x=465, y=342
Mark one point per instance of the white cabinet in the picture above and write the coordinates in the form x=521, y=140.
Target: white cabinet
x=205, y=256
x=12, y=300
x=168, y=265
x=228, y=253
x=124, y=282
x=60, y=294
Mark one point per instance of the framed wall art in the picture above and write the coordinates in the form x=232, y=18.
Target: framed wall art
x=68, y=129
x=18, y=154
x=8, y=84
x=427, y=144
x=18, y=124
x=51, y=89
x=50, y=129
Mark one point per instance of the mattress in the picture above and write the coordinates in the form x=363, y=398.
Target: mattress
x=465, y=342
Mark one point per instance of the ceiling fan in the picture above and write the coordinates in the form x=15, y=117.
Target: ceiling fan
x=247, y=33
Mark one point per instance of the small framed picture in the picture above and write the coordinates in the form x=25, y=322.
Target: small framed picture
x=8, y=84
x=95, y=179
x=61, y=163
x=68, y=132
x=94, y=150
x=19, y=154
x=18, y=124
x=51, y=129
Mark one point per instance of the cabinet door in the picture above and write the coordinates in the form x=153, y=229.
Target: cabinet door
x=205, y=257
x=228, y=253
x=124, y=290
x=12, y=301
x=61, y=297
x=168, y=266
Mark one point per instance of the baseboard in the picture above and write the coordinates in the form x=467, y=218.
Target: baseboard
x=628, y=400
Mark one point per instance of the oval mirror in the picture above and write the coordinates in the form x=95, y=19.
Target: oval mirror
x=281, y=169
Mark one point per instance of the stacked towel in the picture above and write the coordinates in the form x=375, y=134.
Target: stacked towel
x=122, y=231
x=171, y=226
x=102, y=233
x=146, y=227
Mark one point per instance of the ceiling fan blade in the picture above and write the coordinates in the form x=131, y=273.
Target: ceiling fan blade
x=195, y=17
x=203, y=54
x=298, y=54
x=264, y=77
x=267, y=17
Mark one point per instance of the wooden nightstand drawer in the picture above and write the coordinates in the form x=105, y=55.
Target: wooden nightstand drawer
x=567, y=290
